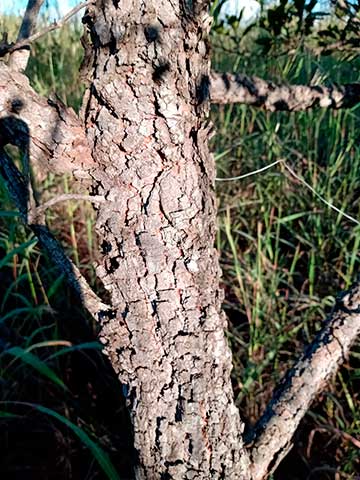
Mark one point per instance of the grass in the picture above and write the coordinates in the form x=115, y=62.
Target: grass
x=284, y=254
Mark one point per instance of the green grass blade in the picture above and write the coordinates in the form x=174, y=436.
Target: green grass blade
x=4, y=414
x=34, y=361
x=74, y=348
x=99, y=454
x=20, y=249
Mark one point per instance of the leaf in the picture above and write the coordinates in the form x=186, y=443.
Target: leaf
x=74, y=348
x=8, y=415
x=25, y=310
x=54, y=287
x=216, y=7
x=99, y=454
x=20, y=249
x=5, y=213
x=34, y=361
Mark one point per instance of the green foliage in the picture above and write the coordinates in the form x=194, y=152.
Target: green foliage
x=48, y=355
x=32, y=360
x=286, y=26
x=100, y=456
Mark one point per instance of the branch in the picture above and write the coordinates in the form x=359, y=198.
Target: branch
x=93, y=304
x=37, y=212
x=54, y=133
x=348, y=45
x=273, y=433
x=17, y=187
x=227, y=88
x=65, y=197
x=25, y=41
x=18, y=61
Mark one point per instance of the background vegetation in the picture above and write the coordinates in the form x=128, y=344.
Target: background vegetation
x=284, y=256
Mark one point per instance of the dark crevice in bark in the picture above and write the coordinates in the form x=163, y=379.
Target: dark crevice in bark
x=102, y=101
x=152, y=33
x=203, y=89
x=160, y=71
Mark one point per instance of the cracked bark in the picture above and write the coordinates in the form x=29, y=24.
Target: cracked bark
x=58, y=142
x=165, y=338
x=55, y=134
x=227, y=88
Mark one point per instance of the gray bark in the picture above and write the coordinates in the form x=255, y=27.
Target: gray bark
x=165, y=337
x=56, y=137
x=227, y=88
x=274, y=431
x=19, y=59
x=32, y=215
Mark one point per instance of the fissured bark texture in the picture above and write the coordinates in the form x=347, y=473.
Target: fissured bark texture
x=165, y=336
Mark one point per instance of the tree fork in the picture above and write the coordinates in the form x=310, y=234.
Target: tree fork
x=54, y=133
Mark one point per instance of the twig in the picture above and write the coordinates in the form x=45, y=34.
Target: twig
x=16, y=185
x=249, y=174
x=65, y=197
x=300, y=179
x=312, y=189
x=327, y=428
x=24, y=42
x=351, y=45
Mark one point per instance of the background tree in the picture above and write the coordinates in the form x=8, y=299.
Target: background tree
x=144, y=147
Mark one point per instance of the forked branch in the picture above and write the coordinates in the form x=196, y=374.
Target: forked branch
x=227, y=88
x=273, y=434
x=55, y=134
x=56, y=138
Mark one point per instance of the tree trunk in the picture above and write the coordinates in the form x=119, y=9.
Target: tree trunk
x=144, y=115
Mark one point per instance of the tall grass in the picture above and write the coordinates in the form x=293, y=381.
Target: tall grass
x=284, y=254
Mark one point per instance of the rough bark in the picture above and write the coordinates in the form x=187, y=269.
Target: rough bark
x=57, y=139
x=54, y=134
x=227, y=88
x=165, y=337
